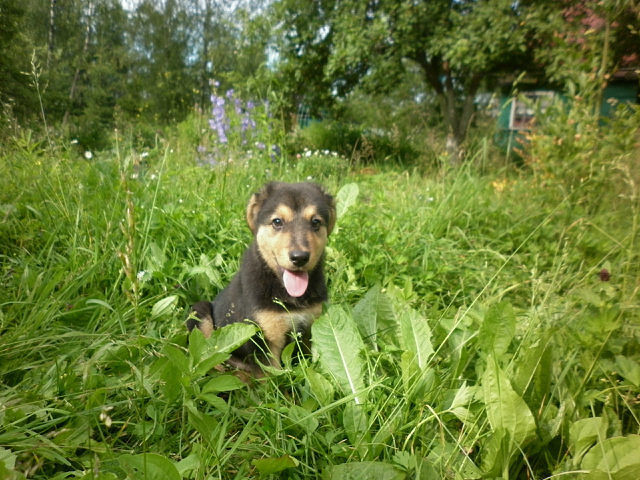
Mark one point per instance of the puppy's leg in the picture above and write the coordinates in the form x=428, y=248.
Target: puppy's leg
x=202, y=317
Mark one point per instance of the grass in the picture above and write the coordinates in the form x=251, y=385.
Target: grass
x=472, y=331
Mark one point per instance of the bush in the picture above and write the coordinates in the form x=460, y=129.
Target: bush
x=572, y=148
x=361, y=145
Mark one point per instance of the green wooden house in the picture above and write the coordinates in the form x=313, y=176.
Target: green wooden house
x=515, y=115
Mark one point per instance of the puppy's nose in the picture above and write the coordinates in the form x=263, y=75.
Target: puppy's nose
x=298, y=257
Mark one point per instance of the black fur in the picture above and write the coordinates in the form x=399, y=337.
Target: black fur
x=256, y=287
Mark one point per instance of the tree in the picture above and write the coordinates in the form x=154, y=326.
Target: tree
x=459, y=45
x=589, y=40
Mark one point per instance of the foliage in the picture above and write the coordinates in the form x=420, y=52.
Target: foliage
x=455, y=45
x=481, y=325
x=353, y=142
x=105, y=64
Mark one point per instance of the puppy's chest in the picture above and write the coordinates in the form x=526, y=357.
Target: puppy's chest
x=276, y=325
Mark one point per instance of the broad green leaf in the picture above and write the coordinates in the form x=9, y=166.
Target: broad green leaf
x=461, y=403
x=497, y=329
x=372, y=312
x=197, y=345
x=321, y=388
x=418, y=382
x=346, y=197
x=177, y=358
x=189, y=463
x=273, y=465
x=206, y=425
x=615, y=458
x=302, y=419
x=415, y=336
x=506, y=410
x=149, y=466
x=448, y=457
x=230, y=337
x=497, y=452
x=223, y=383
x=164, y=307
x=584, y=433
x=355, y=423
x=7, y=458
x=209, y=362
x=337, y=344
x=365, y=471
x=629, y=369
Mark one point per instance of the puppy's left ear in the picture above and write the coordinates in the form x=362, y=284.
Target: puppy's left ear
x=255, y=204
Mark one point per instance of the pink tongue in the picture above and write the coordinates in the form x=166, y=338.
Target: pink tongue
x=295, y=282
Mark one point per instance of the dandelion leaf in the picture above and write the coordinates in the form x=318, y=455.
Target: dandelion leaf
x=337, y=345
x=615, y=458
x=506, y=410
x=150, y=466
x=365, y=471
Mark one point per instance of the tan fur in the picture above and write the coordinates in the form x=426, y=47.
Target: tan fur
x=206, y=326
x=276, y=327
x=253, y=207
x=275, y=245
x=285, y=213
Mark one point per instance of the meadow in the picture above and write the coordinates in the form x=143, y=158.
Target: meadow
x=483, y=321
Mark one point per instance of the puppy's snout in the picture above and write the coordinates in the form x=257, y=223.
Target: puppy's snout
x=299, y=257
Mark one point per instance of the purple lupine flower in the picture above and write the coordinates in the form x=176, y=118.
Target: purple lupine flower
x=230, y=93
x=238, y=106
x=260, y=146
x=275, y=152
x=250, y=105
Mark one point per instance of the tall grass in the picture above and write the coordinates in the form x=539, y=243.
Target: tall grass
x=490, y=323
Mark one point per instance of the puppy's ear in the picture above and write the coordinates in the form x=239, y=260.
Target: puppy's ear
x=332, y=213
x=255, y=204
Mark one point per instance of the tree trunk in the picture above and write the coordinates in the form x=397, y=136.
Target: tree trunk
x=457, y=112
x=81, y=60
x=52, y=26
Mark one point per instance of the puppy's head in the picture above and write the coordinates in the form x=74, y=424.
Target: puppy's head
x=291, y=223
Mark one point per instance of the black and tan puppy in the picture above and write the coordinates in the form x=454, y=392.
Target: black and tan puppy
x=280, y=285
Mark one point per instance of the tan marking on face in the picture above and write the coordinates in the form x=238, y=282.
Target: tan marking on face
x=206, y=326
x=275, y=245
x=283, y=212
x=276, y=326
x=309, y=212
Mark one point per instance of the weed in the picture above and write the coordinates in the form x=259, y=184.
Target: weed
x=471, y=331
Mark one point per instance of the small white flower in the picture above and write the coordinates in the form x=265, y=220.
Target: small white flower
x=144, y=154
x=309, y=178
x=88, y=155
x=153, y=176
x=134, y=176
x=307, y=153
x=141, y=275
x=74, y=141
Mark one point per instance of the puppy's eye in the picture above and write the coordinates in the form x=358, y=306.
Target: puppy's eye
x=316, y=223
x=277, y=223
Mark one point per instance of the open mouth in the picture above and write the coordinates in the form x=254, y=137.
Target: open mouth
x=296, y=283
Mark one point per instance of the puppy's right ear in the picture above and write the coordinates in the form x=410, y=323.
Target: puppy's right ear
x=255, y=204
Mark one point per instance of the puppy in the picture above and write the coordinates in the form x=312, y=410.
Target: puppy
x=280, y=285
